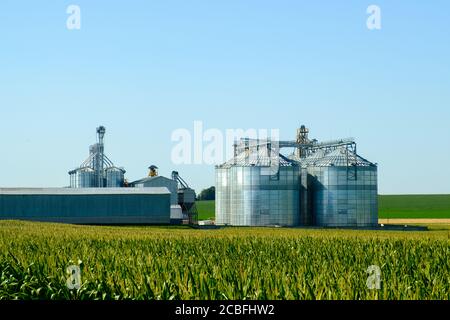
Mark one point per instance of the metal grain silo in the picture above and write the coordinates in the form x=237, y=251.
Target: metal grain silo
x=250, y=193
x=97, y=171
x=115, y=177
x=223, y=196
x=344, y=189
x=82, y=178
x=86, y=178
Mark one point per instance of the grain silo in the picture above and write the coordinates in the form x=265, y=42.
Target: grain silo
x=320, y=184
x=223, y=206
x=343, y=189
x=97, y=171
x=258, y=187
x=82, y=178
x=115, y=177
x=186, y=199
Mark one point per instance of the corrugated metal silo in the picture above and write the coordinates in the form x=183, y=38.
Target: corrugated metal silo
x=97, y=171
x=344, y=189
x=82, y=178
x=115, y=177
x=86, y=178
x=249, y=194
x=222, y=196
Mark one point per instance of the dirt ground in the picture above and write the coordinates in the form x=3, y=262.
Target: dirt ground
x=414, y=221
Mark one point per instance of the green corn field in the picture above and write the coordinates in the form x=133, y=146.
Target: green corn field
x=157, y=263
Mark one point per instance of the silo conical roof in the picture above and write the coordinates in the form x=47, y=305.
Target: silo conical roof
x=339, y=157
x=259, y=158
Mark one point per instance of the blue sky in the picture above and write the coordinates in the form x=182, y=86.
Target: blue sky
x=146, y=68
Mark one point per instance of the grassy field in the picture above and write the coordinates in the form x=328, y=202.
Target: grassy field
x=206, y=209
x=233, y=263
x=390, y=207
x=415, y=207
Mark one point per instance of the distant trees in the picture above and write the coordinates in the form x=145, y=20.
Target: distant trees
x=207, y=194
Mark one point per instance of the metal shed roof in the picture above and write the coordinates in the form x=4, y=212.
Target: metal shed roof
x=82, y=191
x=147, y=179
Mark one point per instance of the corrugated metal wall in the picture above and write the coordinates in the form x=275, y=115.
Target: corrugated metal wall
x=160, y=181
x=342, y=202
x=87, y=208
x=245, y=197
